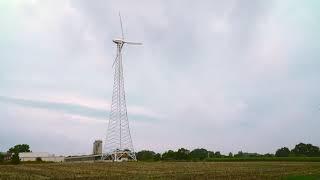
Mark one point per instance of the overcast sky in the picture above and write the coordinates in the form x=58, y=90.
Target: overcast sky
x=224, y=75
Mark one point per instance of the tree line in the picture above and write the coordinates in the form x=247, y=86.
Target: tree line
x=301, y=149
x=200, y=154
x=182, y=154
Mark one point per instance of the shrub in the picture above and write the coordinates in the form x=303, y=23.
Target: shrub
x=38, y=159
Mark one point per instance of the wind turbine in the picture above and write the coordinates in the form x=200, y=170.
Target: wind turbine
x=118, y=145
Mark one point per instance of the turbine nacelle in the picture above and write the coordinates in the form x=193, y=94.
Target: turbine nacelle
x=120, y=41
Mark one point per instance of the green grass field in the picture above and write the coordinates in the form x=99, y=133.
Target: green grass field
x=164, y=170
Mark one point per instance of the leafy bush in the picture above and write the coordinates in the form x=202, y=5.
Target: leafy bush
x=38, y=159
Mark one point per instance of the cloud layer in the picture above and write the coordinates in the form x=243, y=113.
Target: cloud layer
x=228, y=76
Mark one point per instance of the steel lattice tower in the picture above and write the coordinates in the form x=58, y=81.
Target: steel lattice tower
x=118, y=145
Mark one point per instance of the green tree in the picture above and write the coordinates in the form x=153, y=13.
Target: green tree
x=217, y=154
x=157, y=157
x=283, y=152
x=182, y=154
x=199, y=154
x=309, y=150
x=240, y=154
x=169, y=155
x=20, y=148
x=230, y=154
x=210, y=154
x=15, y=159
x=145, y=155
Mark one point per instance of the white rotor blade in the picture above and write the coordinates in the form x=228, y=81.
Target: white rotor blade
x=133, y=43
x=121, y=26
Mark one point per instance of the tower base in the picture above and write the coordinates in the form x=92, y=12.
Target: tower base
x=120, y=156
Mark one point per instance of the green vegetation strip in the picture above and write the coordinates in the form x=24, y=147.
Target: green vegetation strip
x=292, y=159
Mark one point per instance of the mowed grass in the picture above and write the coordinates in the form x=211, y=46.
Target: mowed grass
x=163, y=170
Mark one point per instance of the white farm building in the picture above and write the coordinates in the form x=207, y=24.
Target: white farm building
x=44, y=156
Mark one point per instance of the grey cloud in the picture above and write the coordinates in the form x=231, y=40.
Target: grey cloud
x=68, y=108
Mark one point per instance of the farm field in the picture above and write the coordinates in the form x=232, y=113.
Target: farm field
x=163, y=170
